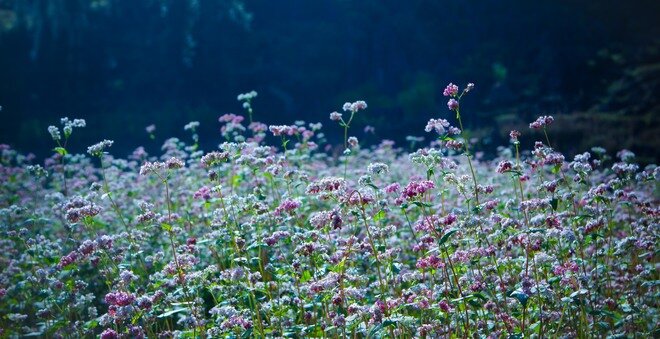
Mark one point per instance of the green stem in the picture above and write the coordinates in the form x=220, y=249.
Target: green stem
x=467, y=154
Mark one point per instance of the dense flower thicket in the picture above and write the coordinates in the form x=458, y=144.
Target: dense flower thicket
x=252, y=240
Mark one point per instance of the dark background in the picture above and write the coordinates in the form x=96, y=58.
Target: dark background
x=123, y=65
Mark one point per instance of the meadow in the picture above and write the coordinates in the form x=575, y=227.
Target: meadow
x=274, y=235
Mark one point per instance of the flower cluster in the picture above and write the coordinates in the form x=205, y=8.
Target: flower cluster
x=542, y=122
x=98, y=148
x=354, y=107
x=415, y=189
x=158, y=167
x=252, y=240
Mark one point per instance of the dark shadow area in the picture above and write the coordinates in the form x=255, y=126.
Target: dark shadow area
x=123, y=65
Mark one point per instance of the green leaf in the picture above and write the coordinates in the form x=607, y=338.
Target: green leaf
x=34, y=334
x=170, y=312
x=60, y=150
x=166, y=227
x=421, y=204
x=395, y=267
x=379, y=216
x=553, y=280
x=555, y=169
x=579, y=293
x=479, y=295
x=306, y=276
x=256, y=244
x=536, y=230
x=603, y=325
x=255, y=261
x=236, y=180
x=446, y=137
x=91, y=324
x=381, y=326
x=470, y=298
x=554, y=203
x=339, y=267
x=448, y=234
x=521, y=296
x=579, y=218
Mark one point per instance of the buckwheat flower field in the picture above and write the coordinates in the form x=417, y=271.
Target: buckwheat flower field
x=271, y=235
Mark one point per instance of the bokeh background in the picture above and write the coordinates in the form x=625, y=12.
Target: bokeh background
x=123, y=65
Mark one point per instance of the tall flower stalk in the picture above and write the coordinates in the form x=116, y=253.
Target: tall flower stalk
x=454, y=105
x=352, y=108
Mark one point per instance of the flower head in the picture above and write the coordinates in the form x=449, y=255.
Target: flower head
x=514, y=135
x=247, y=96
x=542, y=122
x=54, y=133
x=174, y=163
x=353, y=142
x=98, y=148
x=452, y=104
x=417, y=188
x=450, y=91
x=109, y=334
x=191, y=126
x=504, y=166
x=355, y=106
x=439, y=125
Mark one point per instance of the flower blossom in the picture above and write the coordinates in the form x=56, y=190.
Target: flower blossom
x=542, y=122
x=452, y=104
x=417, y=188
x=450, y=91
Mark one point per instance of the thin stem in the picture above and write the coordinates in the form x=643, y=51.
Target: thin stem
x=467, y=154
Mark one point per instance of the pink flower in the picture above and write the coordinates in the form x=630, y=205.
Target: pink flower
x=514, y=136
x=452, y=104
x=213, y=158
x=203, y=193
x=450, y=91
x=454, y=144
x=287, y=205
x=439, y=125
x=393, y=188
x=174, y=163
x=278, y=130
x=328, y=184
x=355, y=106
x=542, y=122
x=119, y=298
x=335, y=116
x=417, y=188
x=504, y=166
x=257, y=127
x=68, y=259
x=231, y=117
x=109, y=334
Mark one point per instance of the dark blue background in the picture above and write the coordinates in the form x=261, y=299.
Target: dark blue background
x=123, y=65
